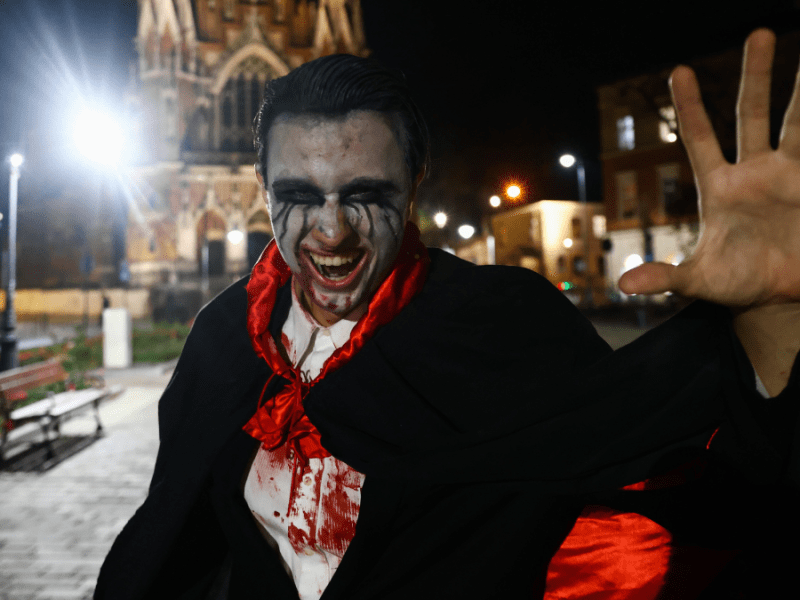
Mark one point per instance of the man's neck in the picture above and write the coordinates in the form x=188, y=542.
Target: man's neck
x=323, y=317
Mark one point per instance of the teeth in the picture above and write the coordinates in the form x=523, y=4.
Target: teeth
x=332, y=261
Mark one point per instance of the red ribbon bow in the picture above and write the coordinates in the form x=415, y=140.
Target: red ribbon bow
x=282, y=419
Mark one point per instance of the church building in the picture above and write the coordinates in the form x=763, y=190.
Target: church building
x=197, y=219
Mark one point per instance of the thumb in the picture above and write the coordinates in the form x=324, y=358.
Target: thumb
x=650, y=278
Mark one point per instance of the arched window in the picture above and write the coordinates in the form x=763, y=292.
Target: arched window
x=241, y=101
x=211, y=244
x=238, y=104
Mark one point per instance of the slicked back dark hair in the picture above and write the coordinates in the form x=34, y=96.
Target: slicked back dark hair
x=333, y=86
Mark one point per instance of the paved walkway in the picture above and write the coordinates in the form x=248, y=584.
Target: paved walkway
x=56, y=527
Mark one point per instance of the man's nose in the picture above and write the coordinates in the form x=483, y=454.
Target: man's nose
x=332, y=225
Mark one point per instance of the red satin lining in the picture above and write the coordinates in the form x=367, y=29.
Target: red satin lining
x=613, y=555
x=610, y=555
x=281, y=419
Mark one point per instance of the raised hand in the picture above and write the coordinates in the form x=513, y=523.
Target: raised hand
x=749, y=248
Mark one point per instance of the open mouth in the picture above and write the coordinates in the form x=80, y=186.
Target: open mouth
x=337, y=267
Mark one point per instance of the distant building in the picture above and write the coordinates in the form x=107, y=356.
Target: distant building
x=559, y=239
x=648, y=188
x=201, y=74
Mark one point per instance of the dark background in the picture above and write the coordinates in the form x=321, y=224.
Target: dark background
x=506, y=85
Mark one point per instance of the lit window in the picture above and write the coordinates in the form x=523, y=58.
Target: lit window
x=625, y=135
x=577, y=230
x=627, y=194
x=668, y=124
x=669, y=191
x=212, y=4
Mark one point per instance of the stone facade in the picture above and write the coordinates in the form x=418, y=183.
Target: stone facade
x=201, y=73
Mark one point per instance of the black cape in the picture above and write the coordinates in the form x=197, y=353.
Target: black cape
x=481, y=416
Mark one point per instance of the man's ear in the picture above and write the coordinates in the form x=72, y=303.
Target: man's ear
x=258, y=175
x=413, y=194
x=420, y=177
x=409, y=209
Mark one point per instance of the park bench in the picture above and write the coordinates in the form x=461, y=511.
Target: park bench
x=43, y=416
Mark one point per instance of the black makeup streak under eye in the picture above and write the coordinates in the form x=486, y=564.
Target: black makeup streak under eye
x=284, y=215
x=281, y=213
x=371, y=222
x=386, y=209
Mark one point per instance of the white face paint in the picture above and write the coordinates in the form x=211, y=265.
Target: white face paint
x=339, y=196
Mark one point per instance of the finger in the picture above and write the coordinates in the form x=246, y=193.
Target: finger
x=696, y=131
x=790, y=132
x=752, y=108
x=652, y=278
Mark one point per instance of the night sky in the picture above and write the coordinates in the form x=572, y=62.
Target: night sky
x=505, y=84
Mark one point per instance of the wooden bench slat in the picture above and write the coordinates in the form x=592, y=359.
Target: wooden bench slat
x=37, y=409
x=16, y=381
x=75, y=401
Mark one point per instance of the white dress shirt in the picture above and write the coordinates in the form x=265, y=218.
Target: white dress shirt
x=307, y=512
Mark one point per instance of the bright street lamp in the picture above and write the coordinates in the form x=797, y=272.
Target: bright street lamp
x=494, y=201
x=235, y=237
x=99, y=137
x=440, y=219
x=567, y=161
x=8, y=341
x=513, y=191
x=466, y=231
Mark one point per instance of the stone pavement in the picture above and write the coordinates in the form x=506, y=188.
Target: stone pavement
x=56, y=527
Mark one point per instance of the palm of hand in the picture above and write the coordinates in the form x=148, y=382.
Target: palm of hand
x=749, y=249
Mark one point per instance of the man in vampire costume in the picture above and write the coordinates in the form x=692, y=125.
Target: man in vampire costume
x=364, y=417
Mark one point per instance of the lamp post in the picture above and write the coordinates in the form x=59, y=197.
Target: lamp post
x=567, y=161
x=8, y=342
x=99, y=138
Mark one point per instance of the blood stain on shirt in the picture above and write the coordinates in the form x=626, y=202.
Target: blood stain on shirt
x=287, y=343
x=339, y=511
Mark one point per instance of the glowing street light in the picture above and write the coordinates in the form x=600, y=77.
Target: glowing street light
x=99, y=137
x=494, y=201
x=235, y=237
x=568, y=242
x=466, y=231
x=513, y=191
x=8, y=339
x=440, y=219
x=567, y=160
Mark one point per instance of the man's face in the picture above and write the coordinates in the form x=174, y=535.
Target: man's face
x=339, y=196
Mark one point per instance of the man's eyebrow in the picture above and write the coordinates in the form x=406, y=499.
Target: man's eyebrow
x=367, y=184
x=295, y=185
